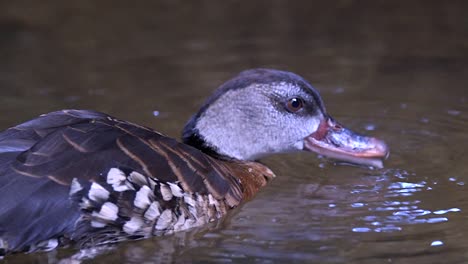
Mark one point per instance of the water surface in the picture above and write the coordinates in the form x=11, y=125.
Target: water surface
x=394, y=70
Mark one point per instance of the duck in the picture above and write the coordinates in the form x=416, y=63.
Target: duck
x=84, y=178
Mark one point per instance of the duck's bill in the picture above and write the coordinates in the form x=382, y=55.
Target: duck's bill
x=336, y=142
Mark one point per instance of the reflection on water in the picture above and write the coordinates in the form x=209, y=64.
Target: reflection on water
x=394, y=71
x=403, y=212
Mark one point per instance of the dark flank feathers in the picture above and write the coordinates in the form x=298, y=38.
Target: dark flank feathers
x=85, y=177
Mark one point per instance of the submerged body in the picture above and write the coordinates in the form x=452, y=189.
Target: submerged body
x=85, y=178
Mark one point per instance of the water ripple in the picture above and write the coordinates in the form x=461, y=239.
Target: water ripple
x=393, y=215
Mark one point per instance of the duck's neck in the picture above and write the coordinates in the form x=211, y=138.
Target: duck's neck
x=251, y=175
x=195, y=140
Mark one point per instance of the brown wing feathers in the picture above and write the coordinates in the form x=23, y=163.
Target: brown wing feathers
x=61, y=153
x=79, y=149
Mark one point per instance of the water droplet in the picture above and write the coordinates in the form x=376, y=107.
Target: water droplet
x=439, y=212
x=370, y=127
x=452, y=179
x=332, y=205
x=339, y=90
x=436, y=243
x=390, y=228
x=437, y=220
x=156, y=113
x=453, y=112
x=361, y=229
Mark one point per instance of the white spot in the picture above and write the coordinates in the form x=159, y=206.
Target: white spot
x=192, y=204
x=133, y=225
x=115, y=176
x=180, y=222
x=370, y=127
x=439, y=212
x=453, y=112
x=123, y=187
x=202, y=206
x=142, y=198
x=189, y=200
x=338, y=90
x=85, y=203
x=425, y=120
x=152, y=183
x=201, y=200
x=219, y=206
x=193, y=211
x=108, y=212
x=138, y=178
x=153, y=211
x=198, y=206
x=117, y=179
x=98, y=193
x=51, y=244
x=212, y=201
x=97, y=224
x=75, y=186
x=189, y=223
x=165, y=220
x=437, y=243
x=45, y=245
x=166, y=192
x=176, y=190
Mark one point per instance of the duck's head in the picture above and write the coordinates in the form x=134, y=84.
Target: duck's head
x=263, y=111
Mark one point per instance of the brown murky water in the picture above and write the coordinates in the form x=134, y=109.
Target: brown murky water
x=396, y=70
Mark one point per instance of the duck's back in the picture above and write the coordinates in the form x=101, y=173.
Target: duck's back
x=87, y=177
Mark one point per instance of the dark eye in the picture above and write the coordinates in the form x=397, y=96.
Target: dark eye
x=294, y=104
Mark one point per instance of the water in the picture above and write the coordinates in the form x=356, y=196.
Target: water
x=387, y=69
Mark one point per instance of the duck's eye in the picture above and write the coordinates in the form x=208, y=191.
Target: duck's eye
x=294, y=104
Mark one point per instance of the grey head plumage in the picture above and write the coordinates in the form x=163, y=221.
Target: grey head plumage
x=264, y=111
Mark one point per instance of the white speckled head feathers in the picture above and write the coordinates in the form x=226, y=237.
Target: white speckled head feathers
x=247, y=117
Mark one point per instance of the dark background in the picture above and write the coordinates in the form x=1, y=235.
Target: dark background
x=132, y=58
